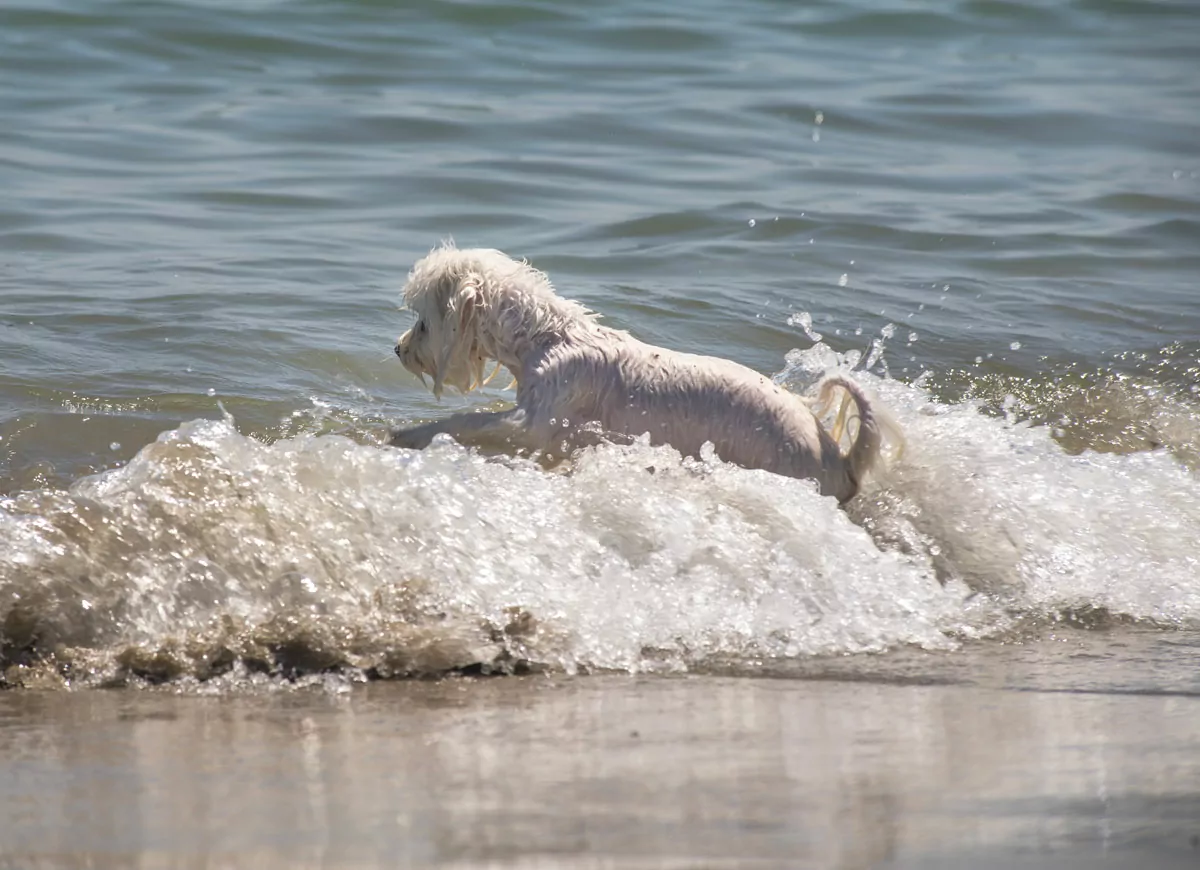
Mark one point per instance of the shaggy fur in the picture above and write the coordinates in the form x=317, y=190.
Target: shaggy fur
x=579, y=382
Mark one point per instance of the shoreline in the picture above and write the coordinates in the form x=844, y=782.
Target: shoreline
x=601, y=771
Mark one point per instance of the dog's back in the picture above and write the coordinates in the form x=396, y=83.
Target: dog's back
x=572, y=372
x=685, y=400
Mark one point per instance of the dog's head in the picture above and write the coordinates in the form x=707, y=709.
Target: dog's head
x=443, y=291
x=476, y=305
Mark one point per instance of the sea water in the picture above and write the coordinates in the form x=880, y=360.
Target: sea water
x=989, y=212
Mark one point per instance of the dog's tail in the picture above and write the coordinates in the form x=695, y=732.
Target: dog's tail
x=867, y=444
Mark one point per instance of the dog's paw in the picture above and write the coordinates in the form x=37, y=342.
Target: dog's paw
x=412, y=439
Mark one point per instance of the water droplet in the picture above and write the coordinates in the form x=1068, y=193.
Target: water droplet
x=1016, y=345
x=751, y=222
x=888, y=331
x=211, y=391
x=978, y=360
x=820, y=118
x=116, y=445
x=845, y=279
x=804, y=320
x=912, y=336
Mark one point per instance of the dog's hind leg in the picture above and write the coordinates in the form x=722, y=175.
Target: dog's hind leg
x=493, y=429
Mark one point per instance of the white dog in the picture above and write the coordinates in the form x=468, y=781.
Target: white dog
x=579, y=382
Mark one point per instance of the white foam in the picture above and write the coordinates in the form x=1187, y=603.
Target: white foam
x=1012, y=510
x=407, y=561
x=999, y=504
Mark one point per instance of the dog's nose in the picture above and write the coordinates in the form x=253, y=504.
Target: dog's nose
x=399, y=351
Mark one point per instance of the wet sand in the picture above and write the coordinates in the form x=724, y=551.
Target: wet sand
x=606, y=771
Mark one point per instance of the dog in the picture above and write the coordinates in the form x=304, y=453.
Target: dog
x=580, y=383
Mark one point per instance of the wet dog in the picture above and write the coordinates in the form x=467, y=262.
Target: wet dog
x=580, y=383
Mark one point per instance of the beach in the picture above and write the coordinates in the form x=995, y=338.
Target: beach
x=239, y=630
x=616, y=771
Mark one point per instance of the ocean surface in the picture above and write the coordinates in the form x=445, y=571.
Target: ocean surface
x=988, y=211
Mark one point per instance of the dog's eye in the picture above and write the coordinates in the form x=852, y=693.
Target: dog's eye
x=420, y=327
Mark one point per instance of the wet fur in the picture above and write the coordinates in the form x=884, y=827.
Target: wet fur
x=580, y=383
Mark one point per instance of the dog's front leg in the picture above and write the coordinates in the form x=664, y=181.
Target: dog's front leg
x=495, y=429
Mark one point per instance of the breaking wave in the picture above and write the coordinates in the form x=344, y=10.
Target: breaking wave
x=215, y=558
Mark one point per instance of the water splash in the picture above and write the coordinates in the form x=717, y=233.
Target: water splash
x=213, y=556
x=804, y=320
x=999, y=504
x=211, y=549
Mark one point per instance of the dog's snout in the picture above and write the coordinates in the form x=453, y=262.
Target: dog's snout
x=403, y=343
x=406, y=354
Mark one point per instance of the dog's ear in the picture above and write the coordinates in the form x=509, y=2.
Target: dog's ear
x=458, y=331
x=465, y=301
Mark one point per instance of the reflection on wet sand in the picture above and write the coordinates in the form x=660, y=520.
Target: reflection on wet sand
x=600, y=771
